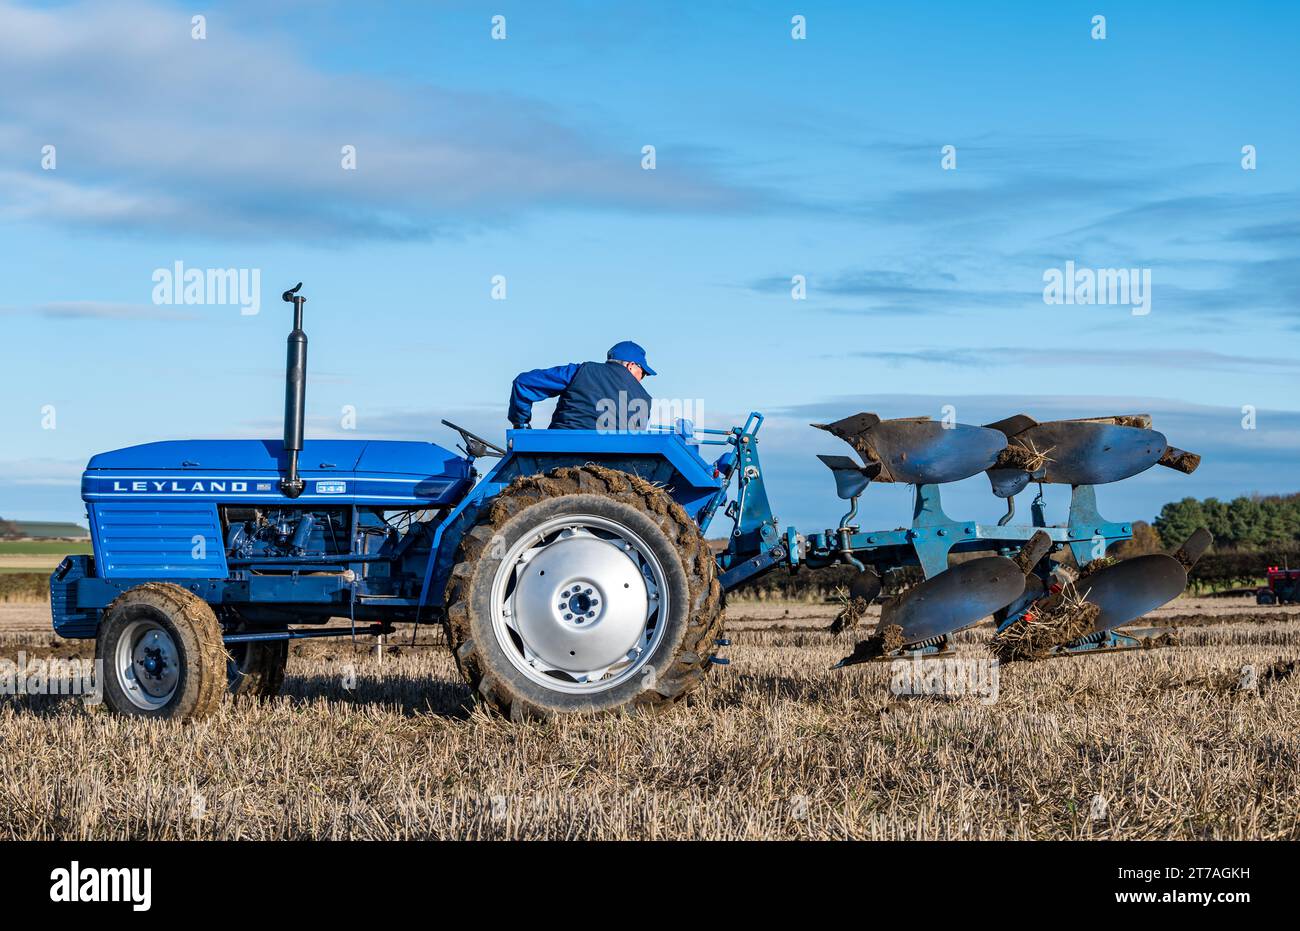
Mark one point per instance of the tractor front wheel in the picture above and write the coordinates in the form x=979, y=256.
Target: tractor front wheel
x=579, y=591
x=161, y=653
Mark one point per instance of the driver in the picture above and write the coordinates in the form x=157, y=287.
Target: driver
x=592, y=395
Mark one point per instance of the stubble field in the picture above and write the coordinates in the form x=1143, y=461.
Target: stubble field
x=1170, y=743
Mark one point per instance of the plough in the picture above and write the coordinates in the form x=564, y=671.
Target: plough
x=1017, y=581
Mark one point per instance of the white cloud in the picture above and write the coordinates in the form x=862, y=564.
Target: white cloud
x=104, y=310
x=56, y=472
x=234, y=135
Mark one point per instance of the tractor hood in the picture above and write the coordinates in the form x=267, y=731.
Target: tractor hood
x=382, y=472
x=257, y=455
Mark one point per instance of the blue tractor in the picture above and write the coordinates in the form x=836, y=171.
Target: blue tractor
x=573, y=575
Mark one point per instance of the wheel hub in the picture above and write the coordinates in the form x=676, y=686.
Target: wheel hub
x=149, y=664
x=580, y=604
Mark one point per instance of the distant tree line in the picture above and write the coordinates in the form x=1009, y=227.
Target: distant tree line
x=1256, y=523
x=9, y=530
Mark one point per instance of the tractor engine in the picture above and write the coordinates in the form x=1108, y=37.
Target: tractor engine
x=274, y=533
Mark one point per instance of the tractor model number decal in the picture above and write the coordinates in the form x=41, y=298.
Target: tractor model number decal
x=331, y=488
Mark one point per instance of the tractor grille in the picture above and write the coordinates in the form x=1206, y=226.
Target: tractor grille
x=137, y=540
x=68, y=620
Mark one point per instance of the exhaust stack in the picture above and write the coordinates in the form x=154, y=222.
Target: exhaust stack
x=295, y=394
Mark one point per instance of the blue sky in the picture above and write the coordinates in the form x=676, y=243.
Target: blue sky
x=775, y=158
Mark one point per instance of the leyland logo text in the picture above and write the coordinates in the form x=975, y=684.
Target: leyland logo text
x=169, y=485
x=103, y=884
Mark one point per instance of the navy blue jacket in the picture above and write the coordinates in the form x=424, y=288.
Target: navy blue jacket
x=593, y=395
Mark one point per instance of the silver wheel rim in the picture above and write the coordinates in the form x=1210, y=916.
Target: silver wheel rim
x=147, y=664
x=580, y=604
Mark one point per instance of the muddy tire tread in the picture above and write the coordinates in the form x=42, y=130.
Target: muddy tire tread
x=704, y=625
x=192, y=615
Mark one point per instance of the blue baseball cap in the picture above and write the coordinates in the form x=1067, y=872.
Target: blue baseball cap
x=628, y=351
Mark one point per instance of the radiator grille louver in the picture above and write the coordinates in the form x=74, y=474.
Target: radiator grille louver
x=173, y=540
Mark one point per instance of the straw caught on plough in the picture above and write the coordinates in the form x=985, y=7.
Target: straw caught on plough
x=1062, y=617
x=1024, y=455
x=852, y=610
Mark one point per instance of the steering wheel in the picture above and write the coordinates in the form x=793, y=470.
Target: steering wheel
x=475, y=446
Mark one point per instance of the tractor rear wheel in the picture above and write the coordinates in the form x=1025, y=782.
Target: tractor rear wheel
x=583, y=590
x=161, y=653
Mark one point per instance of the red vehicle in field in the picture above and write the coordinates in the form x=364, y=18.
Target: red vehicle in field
x=1283, y=587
